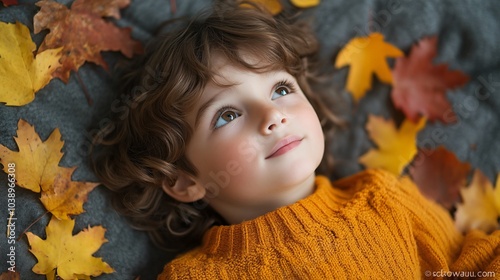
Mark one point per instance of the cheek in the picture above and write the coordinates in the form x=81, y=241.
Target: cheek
x=309, y=119
x=307, y=115
x=225, y=162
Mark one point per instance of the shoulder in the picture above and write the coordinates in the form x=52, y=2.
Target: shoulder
x=372, y=180
x=378, y=185
x=190, y=265
x=367, y=178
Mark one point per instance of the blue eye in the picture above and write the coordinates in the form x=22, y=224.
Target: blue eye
x=226, y=117
x=279, y=92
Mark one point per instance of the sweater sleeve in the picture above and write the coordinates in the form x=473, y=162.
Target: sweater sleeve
x=441, y=247
x=436, y=237
x=437, y=242
x=480, y=254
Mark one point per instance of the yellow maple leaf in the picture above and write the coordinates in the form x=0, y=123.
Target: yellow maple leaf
x=367, y=56
x=396, y=148
x=37, y=161
x=70, y=255
x=305, y=3
x=22, y=75
x=37, y=169
x=66, y=197
x=273, y=6
x=481, y=205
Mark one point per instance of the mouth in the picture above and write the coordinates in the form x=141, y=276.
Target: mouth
x=284, y=145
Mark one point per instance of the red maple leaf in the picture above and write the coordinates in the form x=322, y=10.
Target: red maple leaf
x=83, y=33
x=419, y=87
x=7, y=3
x=439, y=175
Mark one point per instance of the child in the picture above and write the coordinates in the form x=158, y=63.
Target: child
x=217, y=155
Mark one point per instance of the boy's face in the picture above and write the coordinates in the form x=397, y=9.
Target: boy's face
x=255, y=143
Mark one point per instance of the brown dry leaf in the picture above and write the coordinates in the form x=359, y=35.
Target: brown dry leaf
x=37, y=169
x=367, y=56
x=396, y=147
x=83, y=33
x=9, y=275
x=419, y=87
x=70, y=255
x=439, y=175
x=305, y=3
x=21, y=74
x=481, y=205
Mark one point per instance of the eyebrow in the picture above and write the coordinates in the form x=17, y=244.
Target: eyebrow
x=203, y=108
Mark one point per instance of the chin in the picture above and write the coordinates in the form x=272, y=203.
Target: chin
x=299, y=172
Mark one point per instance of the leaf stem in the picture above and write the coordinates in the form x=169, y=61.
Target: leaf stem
x=35, y=221
x=84, y=88
x=173, y=7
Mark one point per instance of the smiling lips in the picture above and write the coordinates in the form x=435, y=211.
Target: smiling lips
x=284, y=145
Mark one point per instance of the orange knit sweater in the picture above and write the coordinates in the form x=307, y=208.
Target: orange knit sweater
x=369, y=225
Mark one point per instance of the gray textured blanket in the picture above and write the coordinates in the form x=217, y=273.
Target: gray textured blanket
x=469, y=40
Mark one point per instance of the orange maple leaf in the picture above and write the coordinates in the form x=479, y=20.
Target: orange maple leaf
x=83, y=33
x=66, y=197
x=70, y=255
x=37, y=169
x=396, y=147
x=481, y=205
x=305, y=3
x=419, y=87
x=367, y=56
x=439, y=175
x=273, y=6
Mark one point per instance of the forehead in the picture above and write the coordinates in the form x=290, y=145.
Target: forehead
x=223, y=68
x=227, y=73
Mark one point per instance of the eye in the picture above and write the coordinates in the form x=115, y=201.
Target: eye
x=279, y=92
x=225, y=117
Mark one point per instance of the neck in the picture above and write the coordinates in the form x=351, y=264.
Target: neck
x=237, y=213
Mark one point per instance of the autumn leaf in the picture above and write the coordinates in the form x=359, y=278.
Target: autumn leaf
x=70, y=255
x=83, y=33
x=9, y=275
x=305, y=3
x=396, y=147
x=367, y=56
x=419, y=86
x=481, y=205
x=37, y=170
x=66, y=197
x=7, y=3
x=37, y=161
x=22, y=75
x=439, y=175
x=273, y=6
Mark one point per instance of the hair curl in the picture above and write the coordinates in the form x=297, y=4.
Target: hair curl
x=146, y=143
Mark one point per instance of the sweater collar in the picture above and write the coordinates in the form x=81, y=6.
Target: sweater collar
x=282, y=224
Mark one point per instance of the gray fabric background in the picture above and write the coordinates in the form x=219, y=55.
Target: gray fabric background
x=468, y=32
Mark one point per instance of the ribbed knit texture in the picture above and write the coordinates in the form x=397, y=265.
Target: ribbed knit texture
x=370, y=225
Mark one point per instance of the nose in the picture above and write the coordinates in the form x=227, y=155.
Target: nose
x=272, y=119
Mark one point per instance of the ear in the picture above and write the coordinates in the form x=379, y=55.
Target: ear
x=185, y=189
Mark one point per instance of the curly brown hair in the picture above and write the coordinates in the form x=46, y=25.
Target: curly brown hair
x=146, y=143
